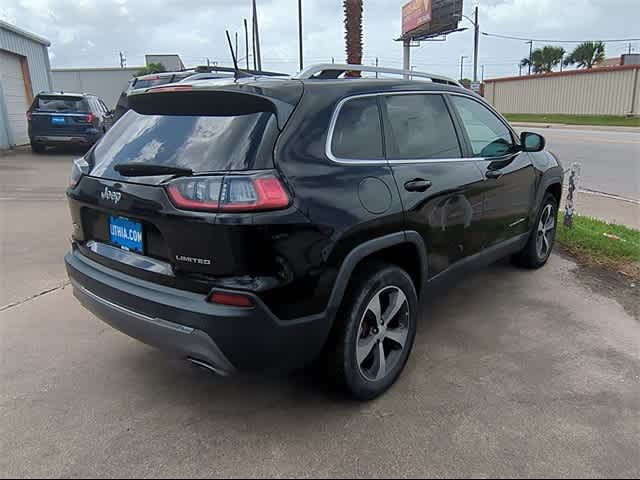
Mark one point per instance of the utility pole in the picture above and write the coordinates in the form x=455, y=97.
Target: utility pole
x=519, y=69
x=333, y=59
x=237, y=46
x=377, y=63
x=300, y=33
x=475, y=45
x=256, y=35
x=530, y=42
x=123, y=60
x=462, y=64
x=246, y=42
x=482, y=73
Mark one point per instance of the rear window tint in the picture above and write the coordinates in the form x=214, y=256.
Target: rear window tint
x=62, y=104
x=203, y=144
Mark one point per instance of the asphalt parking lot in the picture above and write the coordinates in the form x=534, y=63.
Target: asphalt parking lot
x=514, y=373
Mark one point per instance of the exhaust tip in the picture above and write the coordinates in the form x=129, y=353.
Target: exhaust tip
x=207, y=366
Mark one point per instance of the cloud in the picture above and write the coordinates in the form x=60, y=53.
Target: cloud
x=195, y=30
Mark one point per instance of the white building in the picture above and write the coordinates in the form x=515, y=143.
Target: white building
x=24, y=71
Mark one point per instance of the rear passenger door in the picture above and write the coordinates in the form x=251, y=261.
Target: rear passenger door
x=509, y=185
x=440, y=189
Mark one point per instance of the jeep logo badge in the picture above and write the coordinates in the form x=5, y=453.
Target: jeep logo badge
x=111, y=195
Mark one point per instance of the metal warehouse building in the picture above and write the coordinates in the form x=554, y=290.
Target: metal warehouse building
x=24, y=71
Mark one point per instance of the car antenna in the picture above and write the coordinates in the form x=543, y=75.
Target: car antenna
x=238, y=72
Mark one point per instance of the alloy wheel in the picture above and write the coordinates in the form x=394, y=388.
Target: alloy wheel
x=545, y=232
x=383, y=333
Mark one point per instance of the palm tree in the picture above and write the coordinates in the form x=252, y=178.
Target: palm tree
x=544, y=59
x=353, y=36
x=587, y=54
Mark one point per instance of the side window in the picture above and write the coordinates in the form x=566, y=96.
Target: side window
x=488, y=135
x=421, y=128
x=357, y=134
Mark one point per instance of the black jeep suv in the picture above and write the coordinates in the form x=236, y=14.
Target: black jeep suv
x=263, y=223
x=56, y=119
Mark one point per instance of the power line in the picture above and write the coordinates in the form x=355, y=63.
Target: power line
x=524, y=39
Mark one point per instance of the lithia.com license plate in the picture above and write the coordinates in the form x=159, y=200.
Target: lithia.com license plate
x=126, y=233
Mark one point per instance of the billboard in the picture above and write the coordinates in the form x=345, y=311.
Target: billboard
x=423, y=19
x=415, y=13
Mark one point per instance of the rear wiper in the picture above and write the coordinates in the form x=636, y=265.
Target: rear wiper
x=149, y=170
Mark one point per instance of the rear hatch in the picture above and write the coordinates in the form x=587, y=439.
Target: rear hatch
x=60, y=115
x=161, y=177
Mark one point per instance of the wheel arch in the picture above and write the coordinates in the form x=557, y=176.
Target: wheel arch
x=389, y=248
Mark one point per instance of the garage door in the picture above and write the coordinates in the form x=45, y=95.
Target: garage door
x=15, y=97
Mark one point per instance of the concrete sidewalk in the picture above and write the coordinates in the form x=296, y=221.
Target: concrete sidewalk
x=609, y=209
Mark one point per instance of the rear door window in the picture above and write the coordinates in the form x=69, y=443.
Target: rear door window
x=357, y=134
x=420, y=128
x=62, y=104
x=203, y=144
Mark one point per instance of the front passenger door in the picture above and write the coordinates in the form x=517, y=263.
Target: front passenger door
x=509, y=176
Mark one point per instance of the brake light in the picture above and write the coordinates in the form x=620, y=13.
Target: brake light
x=79, y=167
x=232, y=193
x=231, y=299
x=90, y=117
x=176, y=88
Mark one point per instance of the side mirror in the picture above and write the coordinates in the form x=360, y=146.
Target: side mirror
x=532, y=142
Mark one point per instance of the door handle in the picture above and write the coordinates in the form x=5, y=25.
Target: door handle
x=493, y=174
x=417, y=185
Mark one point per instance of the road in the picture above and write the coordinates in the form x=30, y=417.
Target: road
x=514, y=373
x=610, y=158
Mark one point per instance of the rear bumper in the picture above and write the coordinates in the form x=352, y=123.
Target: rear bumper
x=224, y=338
x=70, y=139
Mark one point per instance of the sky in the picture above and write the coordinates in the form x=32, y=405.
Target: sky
x=88, y=33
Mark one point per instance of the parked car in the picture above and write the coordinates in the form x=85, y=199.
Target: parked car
x=56, y=119
x=164, y=78
x=271, y=223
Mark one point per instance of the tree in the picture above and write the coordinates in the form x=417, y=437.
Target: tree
x=151, y=68
x=353, y=35
x=544, y=59
x=586, y=55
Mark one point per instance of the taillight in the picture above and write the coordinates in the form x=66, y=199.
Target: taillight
x=29, y=116
x=232, y=299
x=79, y=167
x=232, y=193
x=90, y=117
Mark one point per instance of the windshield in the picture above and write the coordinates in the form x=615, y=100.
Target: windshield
x=62, y=104
x=202, y=144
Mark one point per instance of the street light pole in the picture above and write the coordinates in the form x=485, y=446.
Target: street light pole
x=300, y=32
x=461, y=64
x=476, y=40
x=530, y=42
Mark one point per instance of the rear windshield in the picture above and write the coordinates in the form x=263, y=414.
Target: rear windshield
x=62, y=104
x=203, y=144
x=151, y=82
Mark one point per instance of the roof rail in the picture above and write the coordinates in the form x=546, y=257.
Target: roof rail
x=334, y=70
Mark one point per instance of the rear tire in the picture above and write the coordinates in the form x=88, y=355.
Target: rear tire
x=37, y=148
x=540, y=244
x=374, y=331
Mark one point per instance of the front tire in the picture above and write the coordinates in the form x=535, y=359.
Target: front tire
x=540, y=244
x=375, y=331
